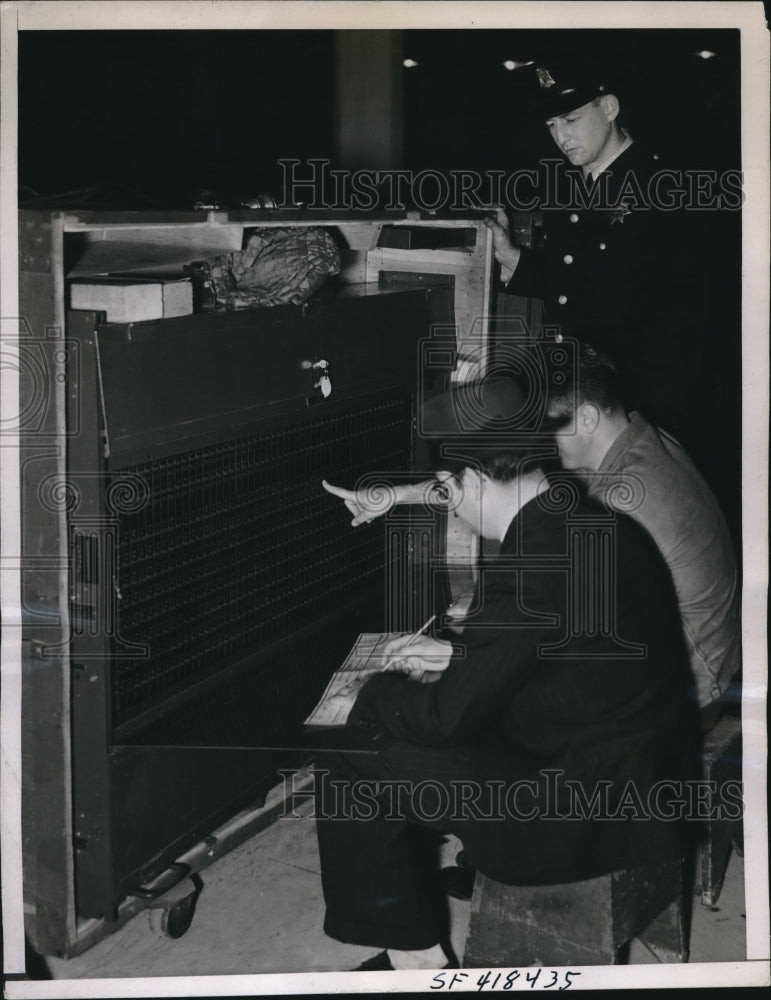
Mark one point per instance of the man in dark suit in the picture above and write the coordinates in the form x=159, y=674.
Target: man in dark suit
x=621, y=261
x=544, y=738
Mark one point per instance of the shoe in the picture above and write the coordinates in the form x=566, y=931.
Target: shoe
x=382, y=963
x=458, y=882
x=378, y=963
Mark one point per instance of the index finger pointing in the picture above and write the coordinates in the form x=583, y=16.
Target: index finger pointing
x=338, y=491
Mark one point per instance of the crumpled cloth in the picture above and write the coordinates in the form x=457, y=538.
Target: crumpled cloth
x=276, y=267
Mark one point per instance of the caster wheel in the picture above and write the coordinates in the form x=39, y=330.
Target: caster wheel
x=178, y=918
x=173, y=921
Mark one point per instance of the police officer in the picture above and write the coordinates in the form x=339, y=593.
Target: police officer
x=618, y=267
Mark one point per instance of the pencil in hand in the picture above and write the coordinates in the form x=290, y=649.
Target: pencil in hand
x=421, y=631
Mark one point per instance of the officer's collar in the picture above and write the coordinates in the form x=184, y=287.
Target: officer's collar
x=606, y=163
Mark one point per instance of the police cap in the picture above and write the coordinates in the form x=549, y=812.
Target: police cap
x=560, y=89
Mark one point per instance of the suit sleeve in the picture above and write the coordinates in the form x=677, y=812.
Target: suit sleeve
x=527, y=279
x=478, y=683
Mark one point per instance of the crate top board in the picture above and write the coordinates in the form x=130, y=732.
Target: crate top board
x=377, y=247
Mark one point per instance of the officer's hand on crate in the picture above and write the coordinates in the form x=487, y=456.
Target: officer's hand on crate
x=505, y=251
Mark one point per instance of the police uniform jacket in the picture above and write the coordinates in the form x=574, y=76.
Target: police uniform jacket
x=617, y=270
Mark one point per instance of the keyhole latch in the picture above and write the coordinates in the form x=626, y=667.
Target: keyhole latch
x=323, y=381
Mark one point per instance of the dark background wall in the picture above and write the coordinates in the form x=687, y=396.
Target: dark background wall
x=169, y=112
x=166, y=113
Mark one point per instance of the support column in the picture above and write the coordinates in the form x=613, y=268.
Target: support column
x=369, y=92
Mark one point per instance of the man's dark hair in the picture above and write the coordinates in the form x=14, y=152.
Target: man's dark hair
x=503, y=457
x=590, y=378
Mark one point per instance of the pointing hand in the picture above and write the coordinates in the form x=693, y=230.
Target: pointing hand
x=361, y=504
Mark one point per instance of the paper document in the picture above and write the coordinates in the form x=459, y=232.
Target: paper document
x=365, y=659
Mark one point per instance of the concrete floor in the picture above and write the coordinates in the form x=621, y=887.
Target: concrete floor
x=261, y=911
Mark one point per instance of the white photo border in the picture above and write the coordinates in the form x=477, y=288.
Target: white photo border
x=749, y=19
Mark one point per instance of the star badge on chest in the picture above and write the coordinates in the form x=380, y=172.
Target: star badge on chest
x=617, y=215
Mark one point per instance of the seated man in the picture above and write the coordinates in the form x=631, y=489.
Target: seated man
x=632, y=467
x=636, y=469
x=546, y=738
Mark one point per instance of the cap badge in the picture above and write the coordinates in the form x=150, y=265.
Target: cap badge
x=545, y=79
